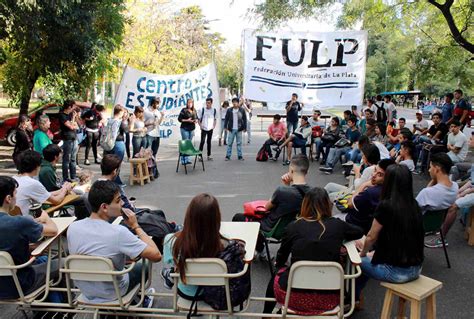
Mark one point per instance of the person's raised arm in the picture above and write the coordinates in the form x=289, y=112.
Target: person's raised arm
x=151, y=251
x=49, y=227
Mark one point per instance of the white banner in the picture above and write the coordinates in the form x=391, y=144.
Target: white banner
x=138, y=88
x=324, y=69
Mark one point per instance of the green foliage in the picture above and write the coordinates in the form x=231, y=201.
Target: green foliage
x=229, y=70
x=62, y=42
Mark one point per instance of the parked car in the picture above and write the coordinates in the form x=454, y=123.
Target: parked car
x=8, y=125
x=429, y=109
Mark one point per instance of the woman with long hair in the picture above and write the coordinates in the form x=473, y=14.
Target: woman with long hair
x=137, y=127
x=314, y=236
x=397, y=230
x=380, y=134
x=329, y=137
x=23, y=136
x=188, y=119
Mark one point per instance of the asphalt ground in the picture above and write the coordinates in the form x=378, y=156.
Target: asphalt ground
x=235, y=182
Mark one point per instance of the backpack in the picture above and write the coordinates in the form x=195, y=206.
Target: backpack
x=107, y=139
x=202, y=113
x=239, y=287
x=262, y=155
x=381, y=113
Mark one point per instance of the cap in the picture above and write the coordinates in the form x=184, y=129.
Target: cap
x=419, y=112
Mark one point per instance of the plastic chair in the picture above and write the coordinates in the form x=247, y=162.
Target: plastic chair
x=100, y=269
x=432, y=222
x=186, y=148
x=275, y=235
x=208, y=272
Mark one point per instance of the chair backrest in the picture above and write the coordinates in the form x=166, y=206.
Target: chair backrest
x=6, y=262
x=205, y=272
x=89, y=268
x=185, y=146
x=433, y=219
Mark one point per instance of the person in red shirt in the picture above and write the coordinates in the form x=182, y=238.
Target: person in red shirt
x=277, y=133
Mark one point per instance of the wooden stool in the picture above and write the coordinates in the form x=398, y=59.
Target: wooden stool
x=415, y=292
x=139, y=171
x=469, y=233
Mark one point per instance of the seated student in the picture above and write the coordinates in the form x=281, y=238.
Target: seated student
x=30, y=189
x=286, y=199
x=276, y=133
x=329, y=137
x=380, y=134
x=317, y=127
x=368, y=114
x=405, y=157
x=352, y=134
x=458, y=143
x=420, y=127
x=47, y=174
x=397, y=231
x=297, y=139
x=441, y=192
x=200, y=238
x=366, y=198
x=314, y=236
x=16, y=233
x=393, y=138
x=95, y=236
x=436, y=136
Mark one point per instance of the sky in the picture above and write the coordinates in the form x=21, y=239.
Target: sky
x=230, y=17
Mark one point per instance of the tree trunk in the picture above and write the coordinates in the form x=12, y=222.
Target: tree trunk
x=26, y=96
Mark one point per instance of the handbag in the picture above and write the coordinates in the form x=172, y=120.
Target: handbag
x=343, y=142
x=255, y=209
x=328, y=138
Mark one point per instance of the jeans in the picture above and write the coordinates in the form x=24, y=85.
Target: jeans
x=70, y=149
x=91, y=141
x=186, y=135
x=138, y=142
x=318, y=142
x=234, y=134
x=335, y=154
x=384, y=272
x=206, y=136
x=135, y=275
x=356, y=155
x=291, y=126
x=127, y=138
x=454, y=157
x=325, y=148
x=223, y=130
x=269, y=143
x=154, y=143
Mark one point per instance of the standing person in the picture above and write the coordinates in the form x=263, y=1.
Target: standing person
x=207, y=122
x=461, y=108
x=92, y=119
x=447, y=109
x=40, y=136
x=236, y=123
x=68, y=118
x=392, y=110
x=224, y=107
x=247, y=105
x=276, y=133
x=116, y=127
x=153, y=119
x=397, y=231
x=137, y=127
x=188, y=119
x=23, y=137
x=292, y=109
x=381, y=110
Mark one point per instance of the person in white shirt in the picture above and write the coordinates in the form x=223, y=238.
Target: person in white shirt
x=30, y=190
x=224, y=107
x=153, y=118
x=458, y=143
x=392, y=110
x=247, y=105
x=405, y=156
x=420, y=127
x=207, y=121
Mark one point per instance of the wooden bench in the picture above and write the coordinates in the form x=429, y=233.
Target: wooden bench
x=415, y=292
x=469, y=233
x=139, y=171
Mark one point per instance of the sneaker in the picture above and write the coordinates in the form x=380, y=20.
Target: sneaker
x=328, y=172
x=270, y=158
x=286, y=163
x=277, y=152
x=97, y=161
x=227, y=158
x=435, y=242
x=240, y=158
x=148, y=300
x=348, y=164
x=86, y=162
x=325, y=169
x=166, y=275
x=209, y=158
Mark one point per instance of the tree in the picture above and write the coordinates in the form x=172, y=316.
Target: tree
x=62, y=42
x=229, y=70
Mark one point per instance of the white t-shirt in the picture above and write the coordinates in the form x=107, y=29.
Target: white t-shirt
x=390, y=107
x=95, y=237
x=151, y=114
x=29, y=190
x=408, y=163
x=423, y=125
x=314, y=123
x=460, y=140
x=207, y=117
x=437, y=197
x=223, y=112
x=235, y=119
x=384, y=153
x=365, y=177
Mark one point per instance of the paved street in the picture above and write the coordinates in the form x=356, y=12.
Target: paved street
x=235, y=182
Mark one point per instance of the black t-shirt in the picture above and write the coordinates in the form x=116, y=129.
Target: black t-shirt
x=285, y=200
x=303, y=241
x=365, y=204
x=395, y=246
x=92, y=119
x=66, y=132
x=23, y=141
x=292, y=114
x=441, y=127
x=187, y=114
x=16, y=233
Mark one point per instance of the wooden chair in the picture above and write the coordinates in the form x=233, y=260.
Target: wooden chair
x=139, y=171
x=469, y=232
x=415, y=292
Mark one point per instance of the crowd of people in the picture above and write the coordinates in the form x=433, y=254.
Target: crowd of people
x=378, y=208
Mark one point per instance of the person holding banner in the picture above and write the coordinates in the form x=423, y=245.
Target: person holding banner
x=235, y=122
x=292, y=109
x=153, y=119
x=207, y=122
x=188, y=119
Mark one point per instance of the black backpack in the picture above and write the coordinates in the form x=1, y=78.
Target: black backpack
x=381, y=113
x=262, y=155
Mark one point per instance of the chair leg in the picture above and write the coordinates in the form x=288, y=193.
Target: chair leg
x=444, y=248
x=177, y=166
x=387, y=305
x=195, y=160
x=202, y=161
x=185, y=168
x=269, y=257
